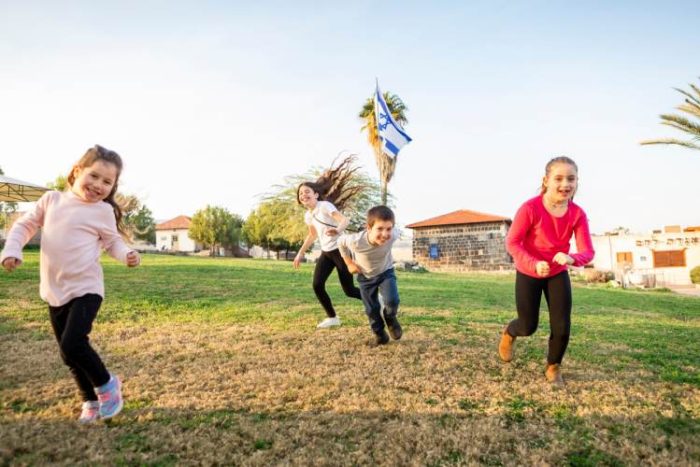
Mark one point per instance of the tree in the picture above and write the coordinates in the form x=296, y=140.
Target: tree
x=137, y=218
x=274, y=226
x=6, y=209
x=143, y=225
x=216, y=227
x=385, y=164
x=59, y=184
x=288, y=218
x=691, y=106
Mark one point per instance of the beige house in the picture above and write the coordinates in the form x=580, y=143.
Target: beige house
x=657, y=259
x=172, y=235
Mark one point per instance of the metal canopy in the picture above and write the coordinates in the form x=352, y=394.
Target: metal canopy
x=14, y=190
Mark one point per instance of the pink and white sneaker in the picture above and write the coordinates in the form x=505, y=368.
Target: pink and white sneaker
x=110, y=397
x=90, y=413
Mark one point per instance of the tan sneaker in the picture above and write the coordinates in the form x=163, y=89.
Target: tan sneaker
x=505, y=347
x=553, y=374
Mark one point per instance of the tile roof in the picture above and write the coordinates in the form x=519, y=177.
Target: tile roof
x=179, y=222
x=463, y=216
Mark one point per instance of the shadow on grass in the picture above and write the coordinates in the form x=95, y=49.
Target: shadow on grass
x=521, y=433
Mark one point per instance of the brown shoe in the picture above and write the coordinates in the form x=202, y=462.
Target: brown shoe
x=505, y=347
x=553, y=374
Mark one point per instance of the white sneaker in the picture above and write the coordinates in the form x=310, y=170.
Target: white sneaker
x=90, y=412
x=329, y=322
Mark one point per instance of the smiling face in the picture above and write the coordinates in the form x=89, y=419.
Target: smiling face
x=560, y=182
x=380, y=232
x=307, y=196
x=95, y=183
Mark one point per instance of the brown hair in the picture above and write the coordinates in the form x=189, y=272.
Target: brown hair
x=380, y=213
x=334, y=184
x=98, y=153
x=551, y=163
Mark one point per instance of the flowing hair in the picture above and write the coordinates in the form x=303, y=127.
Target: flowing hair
x=334, y=185
x=551, y=163
x=98, y=153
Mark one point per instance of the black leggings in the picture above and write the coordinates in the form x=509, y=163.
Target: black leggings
x=557, y=292
x=324, y=266
x=71, y=324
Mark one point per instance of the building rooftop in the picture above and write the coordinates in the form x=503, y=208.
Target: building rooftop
x=179, y=222
x=462, y=216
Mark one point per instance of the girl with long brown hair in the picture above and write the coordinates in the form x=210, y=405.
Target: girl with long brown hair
x=324, y=199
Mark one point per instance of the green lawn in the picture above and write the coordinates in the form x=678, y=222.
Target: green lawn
x=222, y=363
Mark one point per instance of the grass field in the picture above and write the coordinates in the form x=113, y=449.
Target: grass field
x=221, y=363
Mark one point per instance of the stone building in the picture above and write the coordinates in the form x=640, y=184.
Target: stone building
x=462, y=241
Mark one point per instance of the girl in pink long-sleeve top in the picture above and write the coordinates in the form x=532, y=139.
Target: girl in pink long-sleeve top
x=539, y=241
x=76, y=224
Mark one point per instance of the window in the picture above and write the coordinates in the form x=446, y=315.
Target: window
x=624, y=258
x=669, y=259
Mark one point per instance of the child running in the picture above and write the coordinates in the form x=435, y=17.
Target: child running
x=75, y=225
x=368, y=253
x=323, y=200
x=539, y=242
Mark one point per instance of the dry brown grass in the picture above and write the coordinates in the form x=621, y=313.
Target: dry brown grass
x=249, y=395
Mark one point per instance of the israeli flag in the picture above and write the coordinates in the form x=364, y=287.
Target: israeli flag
x=392, y=136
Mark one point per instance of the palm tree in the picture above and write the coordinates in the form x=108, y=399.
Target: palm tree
x=691, y=106
x=385, y=164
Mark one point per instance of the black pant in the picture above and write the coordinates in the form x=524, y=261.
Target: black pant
x=557, y=292
x=71, y=324
x=324, y=266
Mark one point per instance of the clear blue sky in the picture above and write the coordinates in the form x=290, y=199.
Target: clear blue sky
x=214, y=103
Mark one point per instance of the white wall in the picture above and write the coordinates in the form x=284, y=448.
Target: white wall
x=642, y=247
x=185, y=243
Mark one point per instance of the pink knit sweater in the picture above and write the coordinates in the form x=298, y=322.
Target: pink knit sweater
x=536, y=236
x=73, y=234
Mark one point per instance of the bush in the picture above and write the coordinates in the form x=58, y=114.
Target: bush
x=695, y=275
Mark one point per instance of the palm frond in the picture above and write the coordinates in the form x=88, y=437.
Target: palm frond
x=681, y=123
x=678, y=142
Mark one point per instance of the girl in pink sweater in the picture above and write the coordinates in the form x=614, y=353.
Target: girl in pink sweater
x=76, y=224
x=539, y=242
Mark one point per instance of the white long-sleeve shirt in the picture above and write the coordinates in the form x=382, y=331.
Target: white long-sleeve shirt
x=73, y=235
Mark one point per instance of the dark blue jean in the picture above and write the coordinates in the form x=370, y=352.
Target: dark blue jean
x=384, y=283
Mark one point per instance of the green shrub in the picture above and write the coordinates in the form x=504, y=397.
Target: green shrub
x=695, y=275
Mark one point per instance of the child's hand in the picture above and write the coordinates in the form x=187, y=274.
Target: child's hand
x=133, y=259
x=353, y=268
x=563, y=258
x=11, y=263
x=297, y=260
x=332, y=232
x=542, y=268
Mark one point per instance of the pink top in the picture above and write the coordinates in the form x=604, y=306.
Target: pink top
x=536, y=235
x=74, y=232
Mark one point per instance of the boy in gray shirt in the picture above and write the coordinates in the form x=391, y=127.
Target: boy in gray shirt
x=368, y=253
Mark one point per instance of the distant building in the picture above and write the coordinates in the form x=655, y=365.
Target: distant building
x=658, y=259
x=462, y=241
x=173, y=235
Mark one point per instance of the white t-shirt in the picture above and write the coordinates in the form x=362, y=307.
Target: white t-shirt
x=320, y=218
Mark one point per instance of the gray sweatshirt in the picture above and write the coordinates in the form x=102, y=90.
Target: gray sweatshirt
x=371, y=259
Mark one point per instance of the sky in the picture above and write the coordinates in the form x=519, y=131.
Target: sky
x=215, y=102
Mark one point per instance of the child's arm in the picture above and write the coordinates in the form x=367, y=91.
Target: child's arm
x=584, y=244
x=346, y=253
x=516, y=238
x=308, y=241
x=342, y=223
x=21, y=232
x=114, y=244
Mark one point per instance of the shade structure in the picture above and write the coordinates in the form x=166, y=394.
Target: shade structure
x=16, y=190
